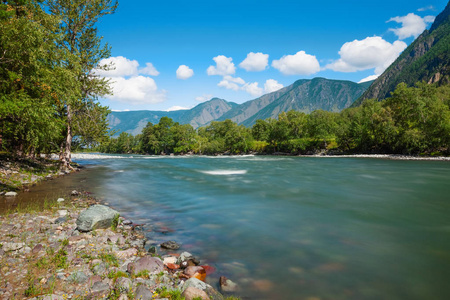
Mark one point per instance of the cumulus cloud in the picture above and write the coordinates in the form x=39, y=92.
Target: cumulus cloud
x=297, y=64
x=237, y=80
x=228, y=85
x=372, y=52
x=204, y=97
x=253, y=89
x=412, y=25
x=255, y=62
x=369, y=78
x=272, y=85
x=119, y=66
x=224, y=66
x=184, y=72
x=129, y=83
x=149, y=70
x=176, y=107
x=136, y=90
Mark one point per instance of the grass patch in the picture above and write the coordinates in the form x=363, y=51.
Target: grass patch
x=109, y=258
x=115, y=222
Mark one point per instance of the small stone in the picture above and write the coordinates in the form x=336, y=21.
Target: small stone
x=172, y=266
x=151, y=264
x=74, y=193
x=94, y=279
x=193, y=293
x=123, y=285
x=100, y=269
x=99, y=287
x=263, y=285
x=63, y=212
x=192, y=270
x=170, y=260
x=171, y=245
x=60, y=220
x=152, y=250
x=143, y=293
x=12, y=246
x=60, y=200
x=127, y=222
x=11, y=194
x=78, y=277
x=127, y=253
x=228, y=286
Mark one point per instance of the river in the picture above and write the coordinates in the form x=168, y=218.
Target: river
x=292, y=227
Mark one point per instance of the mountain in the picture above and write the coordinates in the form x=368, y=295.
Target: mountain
x=134, y=121
x=426, y=59
x=303, y=95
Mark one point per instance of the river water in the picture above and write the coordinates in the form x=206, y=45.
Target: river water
x=293, y=227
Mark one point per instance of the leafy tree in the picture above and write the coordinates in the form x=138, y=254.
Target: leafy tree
x=32, y=77
x=78, y=19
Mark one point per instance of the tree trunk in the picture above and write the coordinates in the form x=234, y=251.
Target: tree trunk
x=67, y=156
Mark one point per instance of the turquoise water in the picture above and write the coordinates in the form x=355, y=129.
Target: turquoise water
x=294, y=227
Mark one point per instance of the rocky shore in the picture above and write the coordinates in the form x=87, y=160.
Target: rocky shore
x=80, y=249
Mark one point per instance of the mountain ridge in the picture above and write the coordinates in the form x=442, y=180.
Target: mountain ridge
x=304, y=95
x=425, y=59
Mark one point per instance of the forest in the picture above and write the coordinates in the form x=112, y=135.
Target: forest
x=413, y=121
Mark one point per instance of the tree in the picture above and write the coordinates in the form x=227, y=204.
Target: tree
x=78, y=19
x=32, y=77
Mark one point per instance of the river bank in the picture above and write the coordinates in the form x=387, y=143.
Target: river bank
x=378, y=156
x=43, y=255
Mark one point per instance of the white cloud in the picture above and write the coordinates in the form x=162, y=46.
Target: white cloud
x=128, y=83
x=372, y=52
x=228, y=85
x=297, y=64
x=204, y=97
x=184, y=72
x=120, y=66
x=149, y=70
x=272, y=85
x=253, y=89
x=369, y=78
x=412, y=25
x=237, y=80
x=255, y=62
x=136, y=90
x=176, y=107
x=224, y=66
x=429, y=7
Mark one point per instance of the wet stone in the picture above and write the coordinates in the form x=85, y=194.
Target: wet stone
x=171, y=245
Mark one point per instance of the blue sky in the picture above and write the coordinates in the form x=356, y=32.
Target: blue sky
x=170, y=54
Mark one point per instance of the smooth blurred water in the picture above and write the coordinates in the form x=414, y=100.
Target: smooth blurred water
x=294, y=227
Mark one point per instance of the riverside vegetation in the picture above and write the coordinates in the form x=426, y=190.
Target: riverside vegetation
x=414, y=121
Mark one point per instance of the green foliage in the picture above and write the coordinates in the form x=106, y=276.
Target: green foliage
x=414, y=120
x=115, y=222
x=47, y=90
x=172, y=294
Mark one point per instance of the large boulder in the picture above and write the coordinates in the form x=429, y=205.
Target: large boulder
x=96, y=217
x=148, y=263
